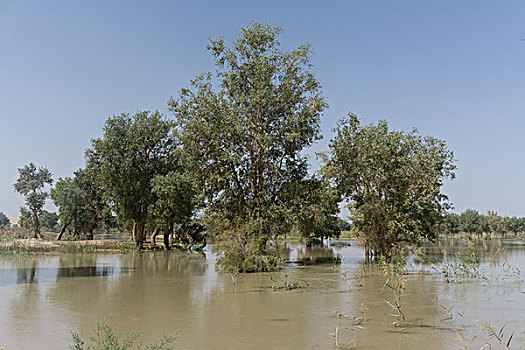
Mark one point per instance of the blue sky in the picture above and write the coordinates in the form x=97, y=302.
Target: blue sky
x=452, y=69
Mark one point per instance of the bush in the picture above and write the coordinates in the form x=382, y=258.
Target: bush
x=245, y=254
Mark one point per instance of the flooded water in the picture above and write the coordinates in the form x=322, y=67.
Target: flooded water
x=323, y=299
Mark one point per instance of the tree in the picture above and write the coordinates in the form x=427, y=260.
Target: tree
x=344, y=225
x=80, y=202
x=245, y=135
x=4, y=220
x=495, y=223
x=176, y=201
x=314, y=206
x=512, y=224
x=30, y=183
x=471, y=221
x=449, y=223
x=48, y=220
x=133, y=150
x=392, y=180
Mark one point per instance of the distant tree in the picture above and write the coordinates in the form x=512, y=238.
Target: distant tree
x=449, y=224
x=245, y=136
x=4, y=220
x=80, y=202
x=48, y=220
x=495, y=223
x=30, y=183
x=471, y=221
x=176, y=201
x=313, y=206
x=513, y=225
x=392, y=180
x=132, y=151
x=344, y=225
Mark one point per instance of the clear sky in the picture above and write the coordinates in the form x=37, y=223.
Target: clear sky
x=452, y=69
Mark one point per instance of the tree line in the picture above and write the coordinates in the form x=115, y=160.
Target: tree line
x=472, y=222
x=229, y=159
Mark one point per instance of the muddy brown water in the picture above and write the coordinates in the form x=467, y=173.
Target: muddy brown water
x=335, y=305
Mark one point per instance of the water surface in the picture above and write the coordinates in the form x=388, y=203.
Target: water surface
x=43, y=298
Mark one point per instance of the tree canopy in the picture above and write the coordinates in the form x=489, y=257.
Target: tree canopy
x=133, y=151
x=392, y=180
x=30, y=183
x=244, y=128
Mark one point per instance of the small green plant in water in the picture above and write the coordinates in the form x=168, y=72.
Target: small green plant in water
x=105, y=338
x=461, y=266
x=396, y=287
x=281, y=281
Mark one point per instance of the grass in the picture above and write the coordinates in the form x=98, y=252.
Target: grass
x=16, y=248
x=106, y=338
x=73, y=248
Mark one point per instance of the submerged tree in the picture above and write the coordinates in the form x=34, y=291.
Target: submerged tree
x=30, y=183
x=392, y=180
x=244, y=136
x=133, y=150
x=313, y=206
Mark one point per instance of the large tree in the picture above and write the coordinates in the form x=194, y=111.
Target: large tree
x=244, y=126
x=392, y=180
x=30, y=183
x=133, y=150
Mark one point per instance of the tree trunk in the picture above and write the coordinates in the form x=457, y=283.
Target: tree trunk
x=167, y=237
x=138, y=233
x=309, y=241
x=36, y=225
x=75, y=234
x=89, y=233
x=62, y=230
x=154, y=235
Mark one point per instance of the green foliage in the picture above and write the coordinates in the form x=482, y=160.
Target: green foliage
x=471, y=221
x=392, y=180
x=313, y=206
x=245, y=135
x=48, y=220
x=106, y=338
x=15, y=248
x=344, y=225
x=4, y=220
x=241, y=249
x=449, y=224
x=133, y=150
x=80, y=201
x=30, y=183
x=176, y=200
x=461, y=266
